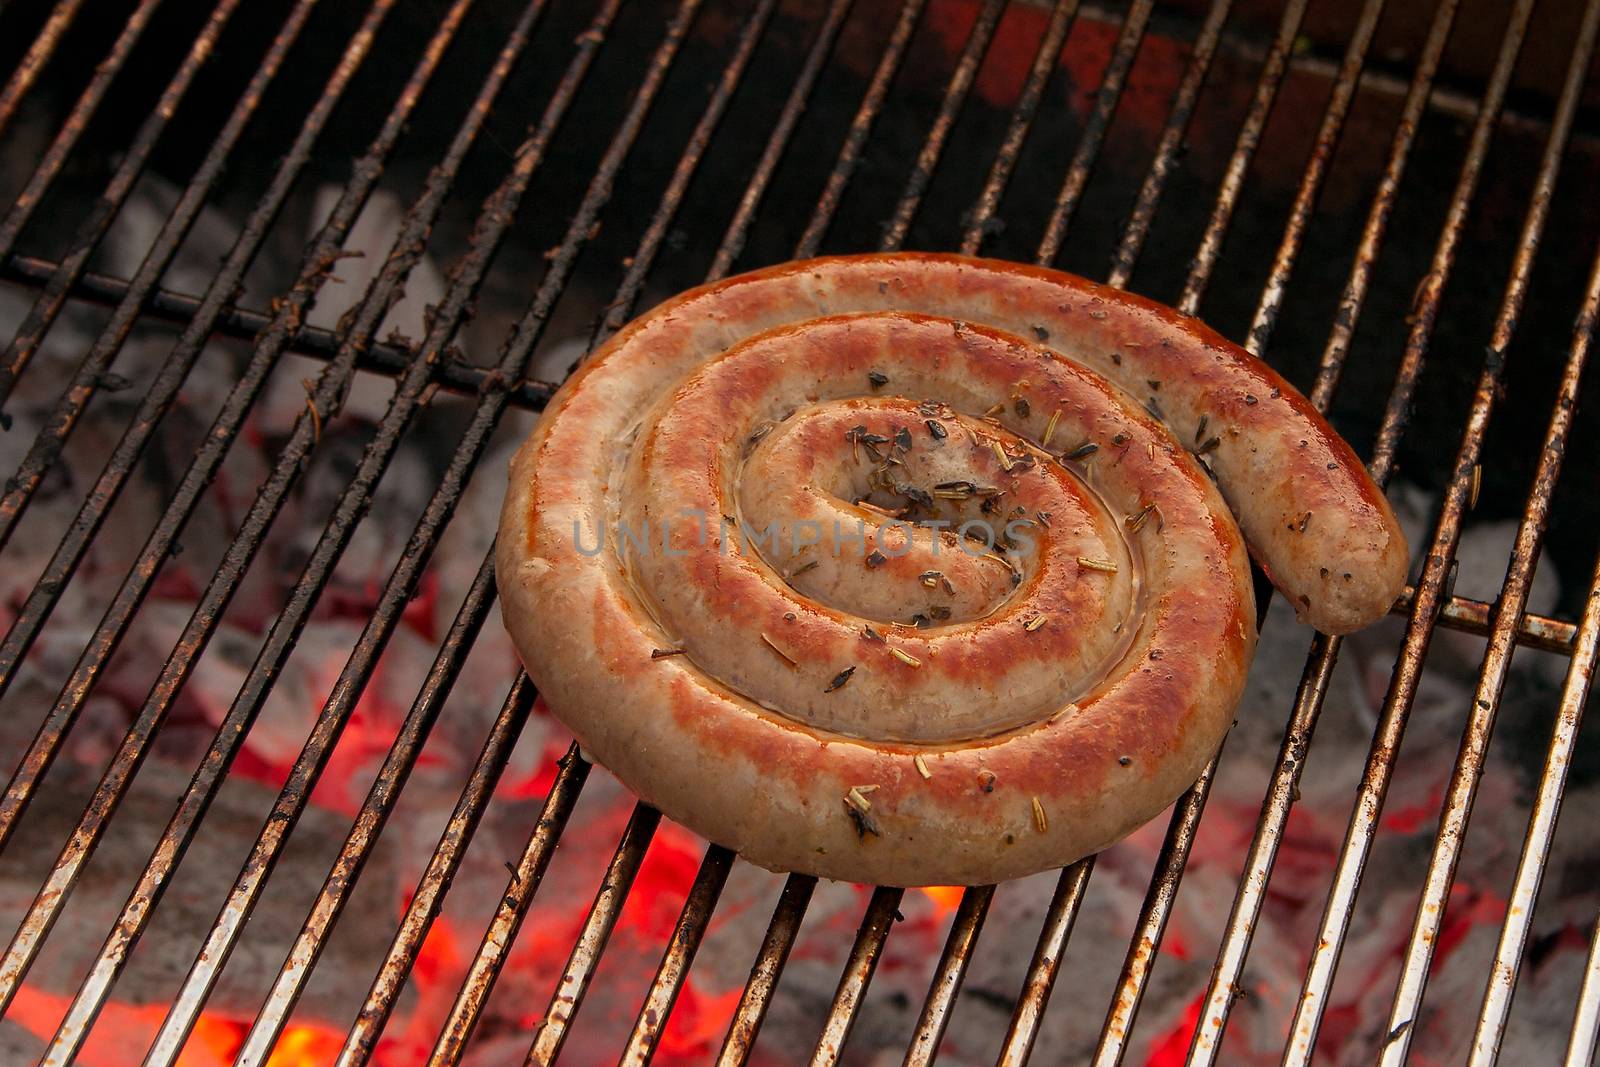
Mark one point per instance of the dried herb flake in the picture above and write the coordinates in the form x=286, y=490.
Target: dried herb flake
x=840, y=679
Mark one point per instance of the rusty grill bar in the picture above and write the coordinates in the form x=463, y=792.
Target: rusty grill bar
x=419, y=369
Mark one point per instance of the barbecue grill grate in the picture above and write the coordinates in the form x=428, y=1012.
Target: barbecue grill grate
x=671, y=151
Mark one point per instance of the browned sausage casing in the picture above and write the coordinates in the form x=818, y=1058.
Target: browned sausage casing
x=904, y=569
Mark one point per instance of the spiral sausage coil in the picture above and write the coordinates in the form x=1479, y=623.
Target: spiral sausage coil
x=921, y=569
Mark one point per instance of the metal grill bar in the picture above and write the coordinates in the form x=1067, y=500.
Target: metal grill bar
x=246, y=324
x=686, y=937
x=46, y=448
x=1005, y=160
x=163, y=250
x=1313, y=689
x=106, y=800
x=774, y=953
x=1152, y=922
x=1316, y=169
x=1426, y=303
x=399, y=263
x=196, y=800
x=1172, y=133
x=46, y=743
x=485, y=966
x=1187, y=815
x=1284, y=783
x=424, y=906
x=1093, y=138
x=860, y=128
x=622, y=304
x=1441, y=552
x=1514, y=592
x=1586, y=1021
x=1472, y=616
x=1580, y=673
x=864, y=955
x=1372, y=235
x=1244, y=150
x=401, y=757
x=1094, y=130
x=952, y=968
x=44, y=175
x=1046, y=963
x=1185, y=819
x=413, y=560
x=369, y=821
x=94, y=226
x=800, y=92
x=39, y=53
x=955, y=94
x=597, y=927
